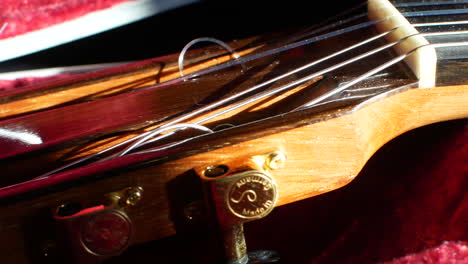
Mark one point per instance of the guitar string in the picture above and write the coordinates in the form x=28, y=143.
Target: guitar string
x=140, y=136
x=444, y=12
x=332, y=22
x=419, y=4
x=204, y=39
x=380, y=68
x=159, y=130
x=378, y=90
x=326, y=26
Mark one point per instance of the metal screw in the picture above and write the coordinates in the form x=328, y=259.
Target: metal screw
x=194, y=211
x=49, y=249
x=133, y=196
x=275, y=160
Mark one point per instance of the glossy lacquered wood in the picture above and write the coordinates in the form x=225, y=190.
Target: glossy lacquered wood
x=324, y=152
x=399, y=205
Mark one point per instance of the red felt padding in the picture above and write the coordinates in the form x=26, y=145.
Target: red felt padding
x=24, y=16
x=447, y=253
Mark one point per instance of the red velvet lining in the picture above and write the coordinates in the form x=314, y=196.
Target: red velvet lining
x=25, y=16
x=447, y=253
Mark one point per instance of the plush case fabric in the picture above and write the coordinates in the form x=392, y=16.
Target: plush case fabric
x=23, y=16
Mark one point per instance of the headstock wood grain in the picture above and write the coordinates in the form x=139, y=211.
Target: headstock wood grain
x=326, y=144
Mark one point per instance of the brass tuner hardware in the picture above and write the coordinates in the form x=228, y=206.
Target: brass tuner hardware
x=125, y=198
x=251, y=195
x=274, y=160
x=239, y=191
x=96, y=230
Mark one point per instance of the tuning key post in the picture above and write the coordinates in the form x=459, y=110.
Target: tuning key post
x=240, y=191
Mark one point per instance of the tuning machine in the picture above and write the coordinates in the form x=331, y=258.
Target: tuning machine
x=100, y=230
x=240, y=191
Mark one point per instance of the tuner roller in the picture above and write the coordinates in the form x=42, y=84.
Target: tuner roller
x=107, y=233
x=95, y=233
